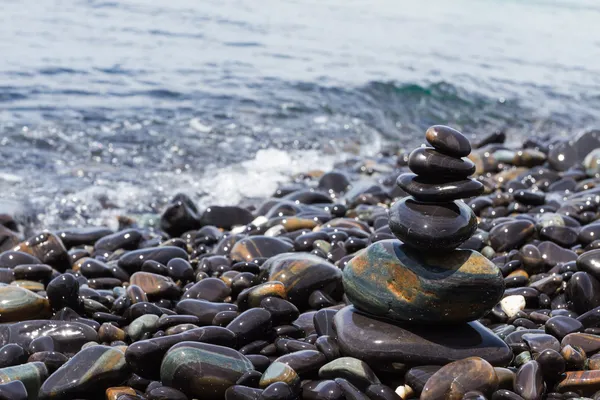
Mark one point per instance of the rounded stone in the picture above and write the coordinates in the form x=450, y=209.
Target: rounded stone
x=202, y=370
x=97, y=367
x=412, y=286
x=454, y=380
x=448, y=141
x=302, y=274
x=428, y=162
x=432, y=226
x=438, y=189
x=18, y=304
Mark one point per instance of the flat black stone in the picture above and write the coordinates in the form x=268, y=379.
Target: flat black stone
x=381, y=342
x=428, y=162
x=429, y=189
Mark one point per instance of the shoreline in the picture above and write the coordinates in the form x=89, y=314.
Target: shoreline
x=246, y=303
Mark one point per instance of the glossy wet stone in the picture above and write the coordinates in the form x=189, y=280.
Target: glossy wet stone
x=97, y=367
x=155, y=285
x=551, y=363
x=205, y=311
x=53, y=360
x=14, y=390
x=511, y=235
x=584, y=383
x=144, y=356
x=584, y=291
x=354, y=370
x=279, y=372
x=318, y=390
x=166, y=393
x=453, y=287
x=560, y=326
x=588, y=342
x=380, y=343
x=32, y=375
x=590, y=262
x=251, y=325
x=63, y=291
x=529, y=382
x=68, y=336
x=10, y=259
x=132, y=261
x=301, y=274
x=282, y=311
x=448, y=141
x=251, y=248
x=428, y=162
x=48, y=248
x=18, y=304
x=432, y=226
x=12, y=354
x=438, y=189
x=303, y=361
x=226, y=216
x=454, y=380
x=202, y=370
x=209, y=289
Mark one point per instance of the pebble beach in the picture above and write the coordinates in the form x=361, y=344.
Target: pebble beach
x=456, y=270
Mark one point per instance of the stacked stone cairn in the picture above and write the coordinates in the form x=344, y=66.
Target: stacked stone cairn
x=415, y=300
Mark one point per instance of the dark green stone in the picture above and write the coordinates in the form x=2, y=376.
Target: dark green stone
x=203, y=370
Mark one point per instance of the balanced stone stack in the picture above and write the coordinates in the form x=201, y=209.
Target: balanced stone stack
x=415, y=300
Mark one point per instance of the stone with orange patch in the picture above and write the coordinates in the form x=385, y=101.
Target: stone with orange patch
x=393, y=280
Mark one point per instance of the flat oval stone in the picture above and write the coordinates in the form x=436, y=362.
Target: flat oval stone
x=448, y=141
x=132, y=261
x=204, y=310
x=438, y=189
x=454, y=380
x=412, y=286
x=428, y=162
x=32, y=375
x=303, y=361
x=20, y=304
x=97, y=367
x=302, y=274
x=432, y=226
x=253, y=247
x=560, y=326
x=10, y=259
x=203, y=370
x=68, y=336
x=72, y=237
x=209, y=289
x=588, y=342
x=511, y=235
x=155, y=285
x=383, y=342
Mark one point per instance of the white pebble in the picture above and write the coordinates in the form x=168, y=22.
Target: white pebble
x=258, y=221
x=511, y=305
